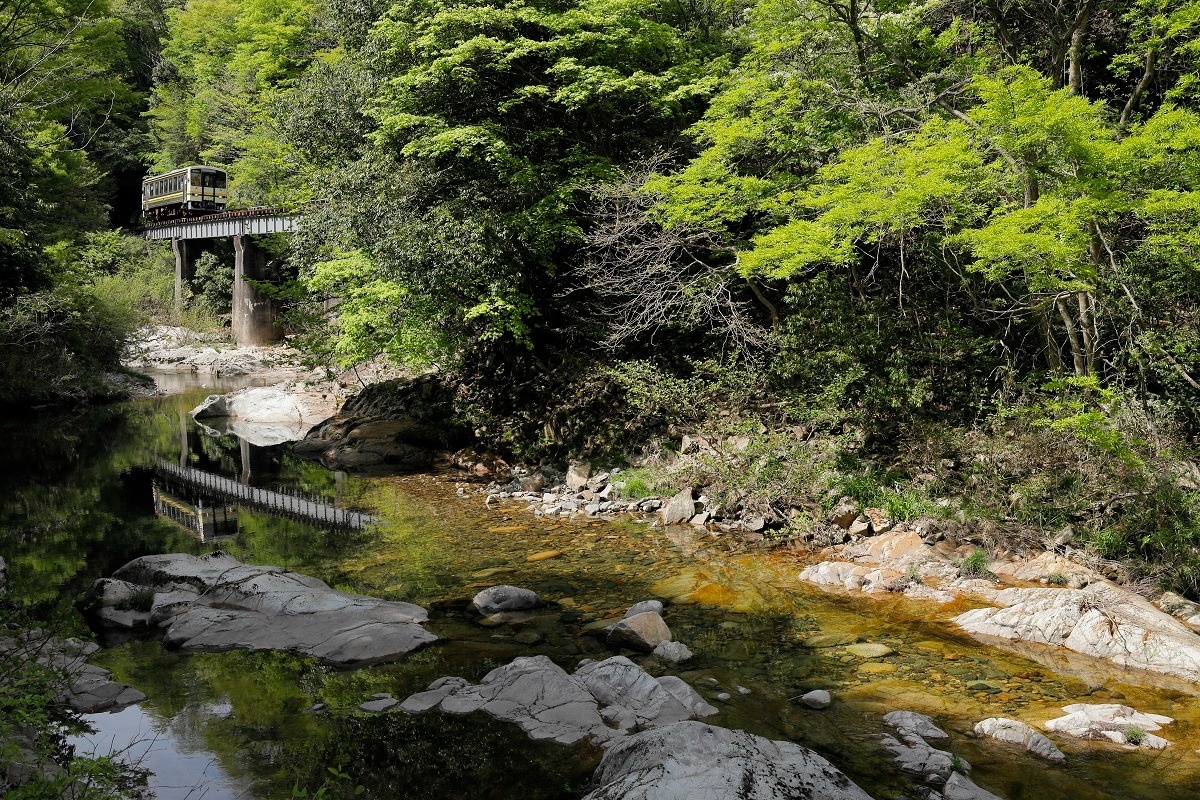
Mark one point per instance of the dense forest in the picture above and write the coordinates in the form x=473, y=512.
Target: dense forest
x=927, y=252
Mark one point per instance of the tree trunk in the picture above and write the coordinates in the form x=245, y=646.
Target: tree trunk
x=1078, y=356
x=1075, y=53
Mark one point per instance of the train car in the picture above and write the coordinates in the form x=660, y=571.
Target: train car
x=184, y=192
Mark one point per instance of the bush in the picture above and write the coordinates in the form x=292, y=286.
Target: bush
x=976, y=565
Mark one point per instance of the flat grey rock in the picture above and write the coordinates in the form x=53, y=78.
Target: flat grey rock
x=919, y=724
x=379, y=706
x=601, y=700
x=216, y=603
x=691, y=760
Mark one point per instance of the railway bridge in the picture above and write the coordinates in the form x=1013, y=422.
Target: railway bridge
x=253, y=312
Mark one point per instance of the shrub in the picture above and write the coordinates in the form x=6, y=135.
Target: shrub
x=1134, y=735
x=976, y=565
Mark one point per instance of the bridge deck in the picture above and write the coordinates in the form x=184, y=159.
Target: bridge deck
x=253, y=221
x=266, y=498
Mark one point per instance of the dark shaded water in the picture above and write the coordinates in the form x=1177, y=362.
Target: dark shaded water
x=85, y=493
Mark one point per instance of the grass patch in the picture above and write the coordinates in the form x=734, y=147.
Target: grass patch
x=976, y=565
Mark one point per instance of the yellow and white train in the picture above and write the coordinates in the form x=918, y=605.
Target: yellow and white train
x=184, y=192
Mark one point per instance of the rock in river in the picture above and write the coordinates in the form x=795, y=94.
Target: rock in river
x=1017, y=732
x=505, y=598
x=690, y=760
x=644, y=631
x=215, y=602
x=1103, y=620
x=601, y=701
x=1111, y=722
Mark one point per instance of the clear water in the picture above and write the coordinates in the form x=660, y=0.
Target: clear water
x=79, y=501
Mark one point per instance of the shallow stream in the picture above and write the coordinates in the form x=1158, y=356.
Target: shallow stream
x=85, y=493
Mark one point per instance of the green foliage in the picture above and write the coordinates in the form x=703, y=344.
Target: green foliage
x=34, y=727
x=976, y=565
x=1134, y=735
x=214, y=277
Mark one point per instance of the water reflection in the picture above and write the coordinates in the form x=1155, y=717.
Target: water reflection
x=212, y=524
x=180, y=766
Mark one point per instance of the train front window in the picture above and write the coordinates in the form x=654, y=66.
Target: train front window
x=195, y=177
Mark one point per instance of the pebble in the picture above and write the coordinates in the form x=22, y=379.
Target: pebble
x=545, y=555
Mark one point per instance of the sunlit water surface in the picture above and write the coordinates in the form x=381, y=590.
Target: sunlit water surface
x=86, y=493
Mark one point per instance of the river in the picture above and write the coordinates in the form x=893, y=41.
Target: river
x=86, y=492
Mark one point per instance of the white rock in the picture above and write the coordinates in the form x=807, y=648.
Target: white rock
x=1017, y=732
x=1103, y=621
x=1109, y=722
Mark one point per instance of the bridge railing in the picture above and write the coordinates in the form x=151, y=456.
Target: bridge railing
x=272, y=500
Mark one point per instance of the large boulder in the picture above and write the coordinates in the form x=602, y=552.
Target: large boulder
x=406, y=424
x=268, y=404
x=1104, y=621
x=266, y=415
x=601, y=701
x=215, y=603
x=679, y=509
x=690, y=760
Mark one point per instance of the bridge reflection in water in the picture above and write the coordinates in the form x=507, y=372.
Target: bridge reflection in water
x=207, y=503
x=208, y=523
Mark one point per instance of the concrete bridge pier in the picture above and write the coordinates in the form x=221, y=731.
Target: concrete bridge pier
x=186, y=253
x=253, y=311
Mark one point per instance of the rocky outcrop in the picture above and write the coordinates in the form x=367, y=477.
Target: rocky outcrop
x=602, y=700
x=1017, y=732
x=216, y=603
x=1103, y=621
x=690, y=760
x=404, y=424
x=1111, y=722
x=84, y=687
